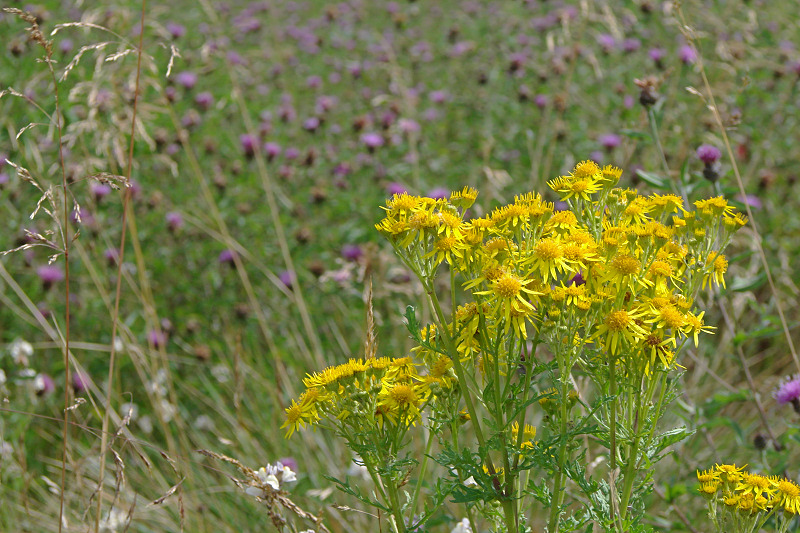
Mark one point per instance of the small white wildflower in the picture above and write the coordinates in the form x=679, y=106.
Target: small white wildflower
x=146, y=424
x=221, y=373
x=462, y=527
x=287, y=475
x=20, y=351
x=204, y=423
x=254, y=491
x=118, y=345
x=27, y=373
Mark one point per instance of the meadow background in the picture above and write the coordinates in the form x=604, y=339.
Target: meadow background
x=267, y=134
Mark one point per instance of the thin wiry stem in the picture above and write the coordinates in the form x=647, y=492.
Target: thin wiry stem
x=115, y=315
x=718, y=119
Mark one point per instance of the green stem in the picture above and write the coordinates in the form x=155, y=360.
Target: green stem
x=422, y=470
x=630, y=467
x=558, y=484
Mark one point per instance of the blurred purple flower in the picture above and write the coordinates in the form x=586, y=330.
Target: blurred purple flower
x=609, y=141
x=708, y=154
x=287, y=278
x=272, y=150
x=50, y=274
x=3, y=178
x=186, y=79
x=656, y=54
x=439, y=193
x=314, y=82
x=540, y=101
x=248, y=143
x=174, y=221
x=157, y=338
x=290, y=462
x=80, y=382
x=628, y=102
x=65, y=46
x=292, y=153
x=204, y=100
x=597, y=156
x=111, y=256
x=43, y=385
x=100, y=190
x=687, y=54
x=395, y=188
x=631, y=44
x=438, y=97
x=607, y=42
x=406, y=125
x=175, y=30
x=372, y=140
x=311, y=124
x=235, y=58
x=226, y=257
x=352, y=252
x=751, y=200
x=461, y=48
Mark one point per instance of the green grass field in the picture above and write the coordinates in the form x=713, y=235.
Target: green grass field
x=267, y=135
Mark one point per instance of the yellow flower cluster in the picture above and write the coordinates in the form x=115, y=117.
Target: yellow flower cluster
x=616, y=270
x=364, y=391
x=749, y=493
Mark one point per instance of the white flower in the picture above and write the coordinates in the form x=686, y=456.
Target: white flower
x=273, y=482
x=20, y=351
x=462, y=527
x=287, y=475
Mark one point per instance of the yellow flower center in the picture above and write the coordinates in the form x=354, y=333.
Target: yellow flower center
x=445, y=244
x=789, y=488
x=293, y=413
x=672, y=317
x=508, y=286
x=548, y=250
x=661, y=268
x=403, y=395
x=626, y=264
x=617, y=320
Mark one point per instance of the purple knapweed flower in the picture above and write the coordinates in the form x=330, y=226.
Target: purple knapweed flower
x=157, y=338
x=175, y=30
x=50, y=274
x=186, y=79
x=439, y=193
x=395, y=188
x=287, y=277
x=314, y=82
x=4, y=178
x=272, y=150
x=65, y=46
x=174, y=221
x=789, y=392
x=43, y=385
x=235, y=58
x=687, y=54
x=311, y=124
x=226, y=257
x=438, y=97
x=80, y=382
x=372, y=140
x=657, y=54
x=708, y=154
x=352, y=252
x=204, y=100
x=607, y=42
x=99, y=190
x=292, y=153
x=751, y=200
x=540, y=101
x=406, y=125
x=248, y=143
x=111, y=256
x=631, y=44
x=609, y=141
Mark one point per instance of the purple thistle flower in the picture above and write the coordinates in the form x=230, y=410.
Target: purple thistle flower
x=708, y=154
x=157, y=338
x=204, y=100
x=292, y=153
x=606, y=42
x=395, y=188
x=3, y=178
x=314, y=82
x=50, y=274
x=175, y=30
x=352, y=252
x=43, y=385
x=406, y=125
x=631, y=44
x=80, y=382
x=372, y=140
x=540, y=101
x=439, y=193
x=751, y=200
x=656, y=54
x=65, y=46
x=272, y=150
x=687, y=54
x=100, y=191
x=438, y=97
x=311, y=124
x=111, y=256
x=789, y=392
x=187, y=79
x=226, y=257
x=235, y=58
x=248, y=143
x=174, y=221
x=610, y=140
x=287, y=277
